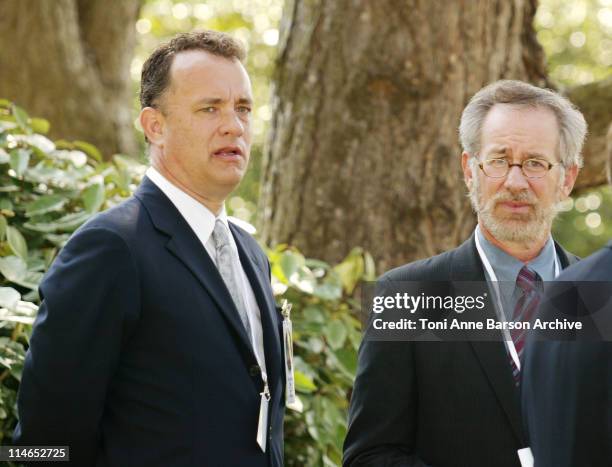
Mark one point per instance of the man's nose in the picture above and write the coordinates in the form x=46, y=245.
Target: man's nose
x=232, y=124
x=516, y=180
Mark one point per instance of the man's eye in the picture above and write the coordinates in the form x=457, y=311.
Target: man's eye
x=535, y=164
x=497, y=162
x=244, y=110
x=208, y=110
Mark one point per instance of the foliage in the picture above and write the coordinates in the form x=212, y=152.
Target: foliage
x=577, y=38
x=49, y=189
x=326, y=336
x=586, y=226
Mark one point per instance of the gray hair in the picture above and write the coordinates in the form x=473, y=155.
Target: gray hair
x=572, y=126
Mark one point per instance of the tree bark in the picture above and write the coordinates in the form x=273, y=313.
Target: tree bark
x=363, y=147
x=68, y=61
x=595, y=101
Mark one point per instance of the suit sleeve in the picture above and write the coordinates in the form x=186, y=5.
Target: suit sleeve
x=90, y=304
x=383, y=410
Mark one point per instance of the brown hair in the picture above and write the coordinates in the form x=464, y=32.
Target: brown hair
x=156, y=70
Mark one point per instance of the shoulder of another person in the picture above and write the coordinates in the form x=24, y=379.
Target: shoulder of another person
x=112, y=230
x=434, y=268
x=594, y=267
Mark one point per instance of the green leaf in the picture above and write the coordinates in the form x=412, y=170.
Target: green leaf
x=36, y=264
x=335, y=333
x=9, y=297
x=8, y=189
x=93, y=197
x=3, y=226
x=314, y=314
x=44, y=204
x=304, y=383
x=351, y=269
x=369, y=267
x=16, y=371
x=346, y=361
x=13, y=268
x=40, y=125
x=290, y=263
x=316, y=263
x=20, y=159
x=315, y=344
x=89, y=149
x=6, y=126
x=21, y=117
x=68, y=223
x=19, y=319
x=40, y=142
x=6, y=205
x=328, y=291
x=4, y=157
x=17, y=242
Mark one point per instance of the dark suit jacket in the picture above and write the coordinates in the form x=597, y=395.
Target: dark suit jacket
x=567, y=388
x=138, y=356
x=441, y=404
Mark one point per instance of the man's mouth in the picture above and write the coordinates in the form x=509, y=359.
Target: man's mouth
x=516, y=206
x=228, y=152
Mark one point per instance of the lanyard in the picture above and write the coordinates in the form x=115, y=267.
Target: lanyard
x=500, y=308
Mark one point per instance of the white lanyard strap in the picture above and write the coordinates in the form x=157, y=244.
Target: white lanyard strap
x=500, y=308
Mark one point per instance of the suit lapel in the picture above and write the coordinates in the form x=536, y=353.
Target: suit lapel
x=565, y=257
x=187, y=248
x=265, y=300
x=493, y=357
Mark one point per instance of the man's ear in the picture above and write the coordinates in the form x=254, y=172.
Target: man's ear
x=571, y=173
x=152, y=123
x=467, y=169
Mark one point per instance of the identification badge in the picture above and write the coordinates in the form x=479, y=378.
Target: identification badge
x=262, y=424
x=525, y=457
x=291, y=400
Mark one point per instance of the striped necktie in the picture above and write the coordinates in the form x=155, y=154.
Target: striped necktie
x=529, y=284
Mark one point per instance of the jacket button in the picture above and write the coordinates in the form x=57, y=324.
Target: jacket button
x=254, y=370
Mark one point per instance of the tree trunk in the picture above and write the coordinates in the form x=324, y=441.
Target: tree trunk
x=595, y=101
x=68, y=61
x=364, y=147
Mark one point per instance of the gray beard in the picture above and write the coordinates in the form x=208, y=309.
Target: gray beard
x=528, y=228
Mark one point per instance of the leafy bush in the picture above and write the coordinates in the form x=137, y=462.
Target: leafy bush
x=326, y=339
x=48, y=189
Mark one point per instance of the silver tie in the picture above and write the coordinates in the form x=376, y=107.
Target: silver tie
x=227, y=264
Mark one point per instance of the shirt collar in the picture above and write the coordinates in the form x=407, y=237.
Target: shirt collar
x=507, y=267
x=199, y=217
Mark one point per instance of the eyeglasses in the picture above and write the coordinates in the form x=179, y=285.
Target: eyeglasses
x=531, y=168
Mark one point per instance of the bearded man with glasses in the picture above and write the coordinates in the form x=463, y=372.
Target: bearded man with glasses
x=456, y=404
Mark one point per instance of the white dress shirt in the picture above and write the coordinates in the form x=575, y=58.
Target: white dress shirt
x=202, y=222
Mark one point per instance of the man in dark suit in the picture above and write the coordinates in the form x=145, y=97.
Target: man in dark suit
x=157, y=341
x=567, y=388
x=456, y=404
